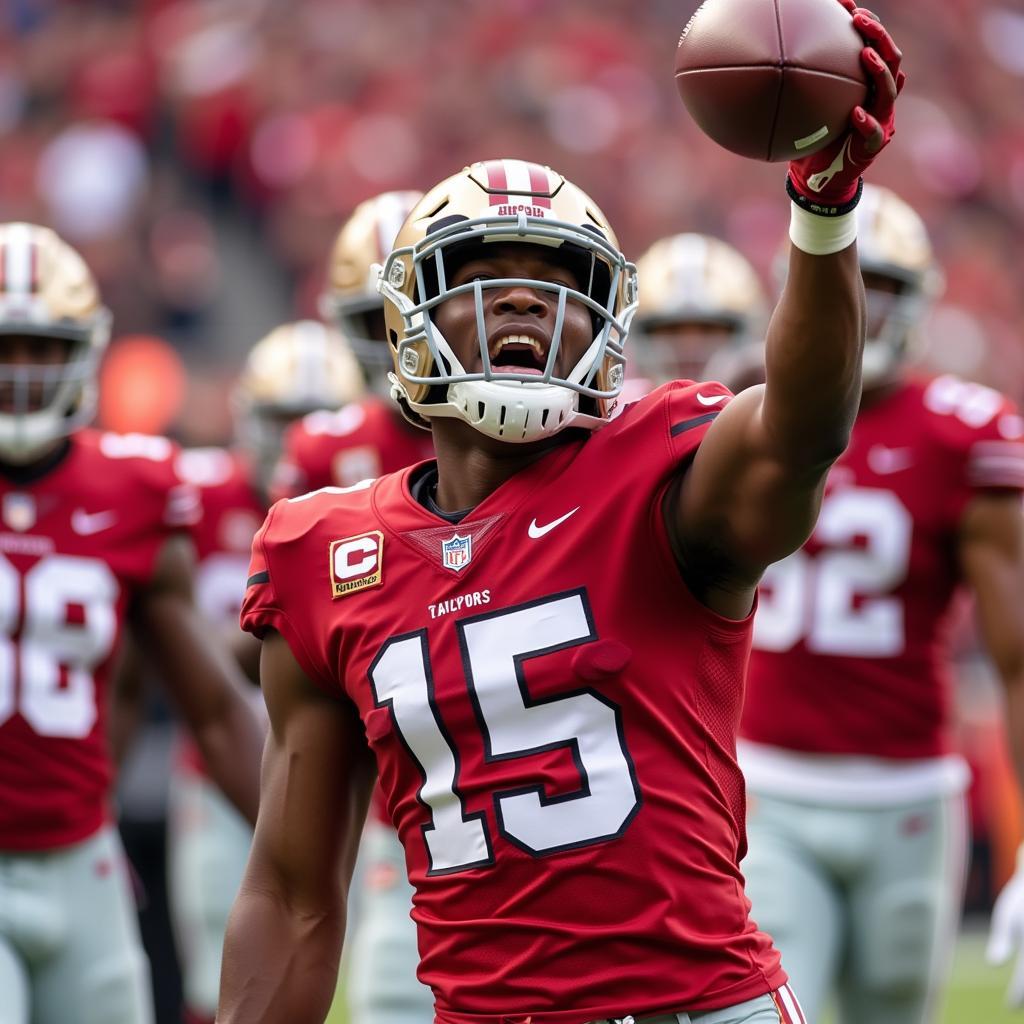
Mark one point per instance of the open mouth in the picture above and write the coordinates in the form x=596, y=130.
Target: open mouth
x=518, y=353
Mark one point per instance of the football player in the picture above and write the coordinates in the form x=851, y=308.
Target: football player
x=91, y=541
x=700, y=305
x=296, y=369
x=857, y=823
x=540, y=637
x=367, y=438
x=340, y=448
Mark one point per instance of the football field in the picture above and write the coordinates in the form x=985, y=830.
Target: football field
x=975, y=994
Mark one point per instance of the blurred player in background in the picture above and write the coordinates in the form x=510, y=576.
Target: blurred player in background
x=359, y=442
x=857, y=823
x=296, y=369
x=539, y=639
x=367, y=438
x=701, y=301
x=92, y=540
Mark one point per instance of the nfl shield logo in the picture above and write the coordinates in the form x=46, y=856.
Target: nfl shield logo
x=19, y=511
x=456, y=553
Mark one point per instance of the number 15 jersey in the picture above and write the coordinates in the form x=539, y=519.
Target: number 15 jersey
x=553, y=717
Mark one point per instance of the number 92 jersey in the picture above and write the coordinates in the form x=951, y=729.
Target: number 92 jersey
x=75, y=545
x=850, y=642
x=553, y=717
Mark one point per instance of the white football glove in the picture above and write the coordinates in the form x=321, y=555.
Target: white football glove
x=1006, y=932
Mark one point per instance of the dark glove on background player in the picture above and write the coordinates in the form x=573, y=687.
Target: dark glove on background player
x=828, y=182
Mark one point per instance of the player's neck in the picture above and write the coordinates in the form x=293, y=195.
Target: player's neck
x=470, y=466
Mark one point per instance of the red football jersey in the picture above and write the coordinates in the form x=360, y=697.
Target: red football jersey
x=358, y=442
x=76, y=545
x=232, y=513
x=850, y=643
x=553, y=717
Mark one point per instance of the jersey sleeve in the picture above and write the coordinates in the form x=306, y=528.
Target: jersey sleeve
x=277, y=595
x=983, y=433
x=665, y=429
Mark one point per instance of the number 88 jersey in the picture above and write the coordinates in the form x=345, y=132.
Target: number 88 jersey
x=553, y=717
x=76, y=544
x=850, y=639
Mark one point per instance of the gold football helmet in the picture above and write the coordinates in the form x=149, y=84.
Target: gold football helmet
x=296, y=369
x=351, y=300
x=698, y=297
x=508, y=201
x=47, y=291
x=901, y=279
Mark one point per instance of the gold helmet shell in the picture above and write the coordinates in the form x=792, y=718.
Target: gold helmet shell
x=351, y=299
x=48, y=291
x=902, y=279
x=296, y=369
x=698, y=294
x=509, y=201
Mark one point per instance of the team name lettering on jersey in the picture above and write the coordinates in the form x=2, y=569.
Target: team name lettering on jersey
x=455, y=604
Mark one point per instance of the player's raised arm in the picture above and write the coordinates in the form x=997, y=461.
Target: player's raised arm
x=202, y=679
x=284, y=935
x=752, y=493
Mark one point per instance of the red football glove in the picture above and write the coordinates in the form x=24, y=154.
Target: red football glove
x=828, y=182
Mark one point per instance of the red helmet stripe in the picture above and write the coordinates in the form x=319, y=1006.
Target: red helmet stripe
x=497, y=181
x=539, y=183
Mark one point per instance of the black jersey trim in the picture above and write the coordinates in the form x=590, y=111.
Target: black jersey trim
x=258, y=577
x=685, y=425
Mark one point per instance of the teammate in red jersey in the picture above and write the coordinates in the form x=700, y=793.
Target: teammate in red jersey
x=297, y=368
x=89, y=544
x=541, y=637
x=370, y=437
x=857, y=829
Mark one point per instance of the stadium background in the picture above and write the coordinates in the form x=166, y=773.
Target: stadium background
x=202, y=153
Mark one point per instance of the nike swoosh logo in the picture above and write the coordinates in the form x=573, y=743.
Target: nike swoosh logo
x=818, y=181
x=536, y=531
x=86, y=523
x=710, y=399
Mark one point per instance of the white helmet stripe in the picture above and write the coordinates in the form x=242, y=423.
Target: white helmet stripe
x=689, y=258
x=310, y=358
x=19, y=261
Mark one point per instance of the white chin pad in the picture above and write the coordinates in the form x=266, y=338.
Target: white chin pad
x=513, y=411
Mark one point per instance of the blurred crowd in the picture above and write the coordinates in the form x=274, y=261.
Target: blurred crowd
x=203, y=152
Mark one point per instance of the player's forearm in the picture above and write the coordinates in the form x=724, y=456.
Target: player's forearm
x=280, y=966
x=813, y=358
x=231, y=744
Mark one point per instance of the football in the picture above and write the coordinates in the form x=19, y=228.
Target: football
x=771, y=79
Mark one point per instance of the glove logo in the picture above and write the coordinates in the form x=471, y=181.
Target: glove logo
x=817, y=182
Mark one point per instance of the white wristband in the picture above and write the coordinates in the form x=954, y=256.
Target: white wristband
x=819, y=235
